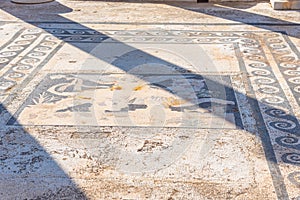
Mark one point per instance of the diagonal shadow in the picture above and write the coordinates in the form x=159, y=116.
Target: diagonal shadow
x=235, y=14
x=22, y=155
x=267, y=145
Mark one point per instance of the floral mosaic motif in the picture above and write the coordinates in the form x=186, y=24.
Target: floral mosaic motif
x=45, y=97
x=61, y=86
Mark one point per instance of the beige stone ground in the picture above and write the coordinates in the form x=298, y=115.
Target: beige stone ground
x=141, y=100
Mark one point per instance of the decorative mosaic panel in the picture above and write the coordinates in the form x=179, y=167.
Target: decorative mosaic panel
x=127, y=100
x=65, y=95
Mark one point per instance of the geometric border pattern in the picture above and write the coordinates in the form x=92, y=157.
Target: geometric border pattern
x=277, y=125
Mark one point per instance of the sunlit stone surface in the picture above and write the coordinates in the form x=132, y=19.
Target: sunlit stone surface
x=116, y=100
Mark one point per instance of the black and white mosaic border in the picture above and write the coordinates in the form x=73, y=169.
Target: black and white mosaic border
x=281, y=124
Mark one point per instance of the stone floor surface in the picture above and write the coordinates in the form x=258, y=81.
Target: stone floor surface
x=149, y=100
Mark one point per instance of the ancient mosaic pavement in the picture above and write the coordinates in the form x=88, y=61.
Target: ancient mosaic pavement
x=184, y=86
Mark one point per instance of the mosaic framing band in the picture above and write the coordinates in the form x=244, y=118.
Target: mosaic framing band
x=274, y=113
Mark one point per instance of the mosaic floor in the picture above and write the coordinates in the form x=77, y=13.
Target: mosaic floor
x=95, y=112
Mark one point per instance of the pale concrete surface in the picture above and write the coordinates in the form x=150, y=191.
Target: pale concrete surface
x=140, y=100
x=285, y=5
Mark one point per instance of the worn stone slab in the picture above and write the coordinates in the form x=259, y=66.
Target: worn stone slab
x=153, y=88
x=195, y=163
x=193, y=106
x=285, y=5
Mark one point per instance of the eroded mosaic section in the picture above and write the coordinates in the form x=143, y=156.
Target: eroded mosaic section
x=127, y=100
